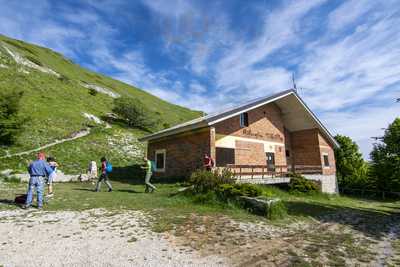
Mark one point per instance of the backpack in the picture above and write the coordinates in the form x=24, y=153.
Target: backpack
x=108, y=167
x=20, y=199
x=153, y=166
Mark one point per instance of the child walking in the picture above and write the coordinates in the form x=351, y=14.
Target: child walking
x=53, y=165
x=105, y=169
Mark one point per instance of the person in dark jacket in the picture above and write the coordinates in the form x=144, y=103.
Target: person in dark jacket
x=38, y=170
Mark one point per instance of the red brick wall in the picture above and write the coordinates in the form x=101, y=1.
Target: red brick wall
x=308, y=148
x=326, y=148
x=288, y=146
x=305, y=147
x=265, y=123
x=184, y=153
x=249, y=153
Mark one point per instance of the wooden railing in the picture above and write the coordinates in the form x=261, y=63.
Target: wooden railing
x=264, y=171
x=306, y=169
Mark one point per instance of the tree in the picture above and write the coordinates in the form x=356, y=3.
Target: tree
x=135, y=113
x=352, y=171
x=10, y=121
x=385, y=156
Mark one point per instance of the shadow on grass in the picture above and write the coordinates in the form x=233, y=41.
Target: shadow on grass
x=372, y=222
x=135, y=175
x=84, y=189
x=128, y=191
x=8, y=202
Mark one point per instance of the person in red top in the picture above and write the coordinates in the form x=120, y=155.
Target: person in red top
x=103, y=176
x=208, y=162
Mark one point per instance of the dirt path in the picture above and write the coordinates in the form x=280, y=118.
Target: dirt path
x=385, y=247
x=90, y=238
x=76, y=135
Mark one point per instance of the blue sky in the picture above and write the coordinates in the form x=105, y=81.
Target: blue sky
x=209, y=55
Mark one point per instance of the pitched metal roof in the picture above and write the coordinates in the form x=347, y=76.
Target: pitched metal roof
x=214, y=118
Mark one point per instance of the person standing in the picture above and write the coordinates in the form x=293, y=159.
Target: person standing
x=38, y=169
x=53, y=165
x=149, y=172
x=92, y=170
x=208, y=162
x=105, y=169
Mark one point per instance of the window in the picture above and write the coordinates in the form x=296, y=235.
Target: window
x=224, y=156
x=160, y=160
x=326, y=161
x=244, y=119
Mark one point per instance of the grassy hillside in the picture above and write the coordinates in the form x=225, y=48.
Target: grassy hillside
x=56, y=95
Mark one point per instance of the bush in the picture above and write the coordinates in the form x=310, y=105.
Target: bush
x=302, y=185
x=206, y=198
x=228, y=192
x=92, y=92
x=11, y=179
x=10, y=121
x=134, y=112
x=204, y=181
x=277, y=210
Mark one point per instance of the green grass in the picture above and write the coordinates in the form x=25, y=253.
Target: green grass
x=54, y=105
x=174, y=210
x=337, y=228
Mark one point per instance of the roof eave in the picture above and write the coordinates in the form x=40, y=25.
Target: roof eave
x=321, y=126
x=158, y=135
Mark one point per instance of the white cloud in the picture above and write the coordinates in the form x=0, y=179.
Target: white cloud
x=197, y=88
x=353, y=69
x=279, y=30
x=349, y=12
x=363, y=123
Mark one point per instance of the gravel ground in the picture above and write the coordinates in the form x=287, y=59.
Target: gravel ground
x=91, y=238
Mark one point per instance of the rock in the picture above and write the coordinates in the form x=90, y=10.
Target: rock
x=83, y=177
x=257, y=205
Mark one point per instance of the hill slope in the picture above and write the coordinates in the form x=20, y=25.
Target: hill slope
x=59, y=106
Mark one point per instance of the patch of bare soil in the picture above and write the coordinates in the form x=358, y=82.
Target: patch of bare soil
x=314, y=242
x=90, y=238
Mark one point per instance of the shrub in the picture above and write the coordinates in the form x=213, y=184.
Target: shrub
x=277, y=210
x=92, y=92
x=134, y=112
x=34, y=60
x=64, y=79
x=205, y=198
x=228, y=192
x=10, y=121
x=300, y=184
x=11, y=179
x=204, y=181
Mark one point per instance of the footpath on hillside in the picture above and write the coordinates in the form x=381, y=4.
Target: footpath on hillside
x=75, y=136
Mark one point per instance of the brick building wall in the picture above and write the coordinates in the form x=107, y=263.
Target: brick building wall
x=309, y=148
x=249, y=153
x=326, y=149
x=265, y=124
x=288, y=146
x=184, y=153
x=305, y=147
